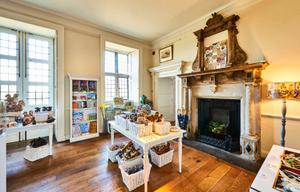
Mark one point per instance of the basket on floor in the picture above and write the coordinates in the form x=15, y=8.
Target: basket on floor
x=130, y=161
x=134, y=180
x=163, y=159
x=112, y=154
x=33, y=154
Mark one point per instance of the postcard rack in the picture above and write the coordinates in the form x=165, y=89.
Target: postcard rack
x=83, y=108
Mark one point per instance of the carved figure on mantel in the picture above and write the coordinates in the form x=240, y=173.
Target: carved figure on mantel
x=232, y=54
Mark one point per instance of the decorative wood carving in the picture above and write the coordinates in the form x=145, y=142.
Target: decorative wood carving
x=215, y=25
x=249, y=73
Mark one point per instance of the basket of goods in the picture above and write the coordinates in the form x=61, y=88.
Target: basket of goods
x=128, y=153
x=139, y=125
x=161, y=154
x=113, y=150
x=160, y=126
x=122, y=120
x=37, y=149
x=133, y=173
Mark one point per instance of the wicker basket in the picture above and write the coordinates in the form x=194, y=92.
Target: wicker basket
x=122, y=122
x=33, y=154
x=130, y=161
x=140, y=130
x=112, y=154
x=134, y=180
x=163, y=159
x=41, y=116
x=162, y=128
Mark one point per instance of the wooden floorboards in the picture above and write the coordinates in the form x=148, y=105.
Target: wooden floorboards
x=84, y=167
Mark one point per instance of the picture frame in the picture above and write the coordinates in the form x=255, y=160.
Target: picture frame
x=166, y=54
x=216, y=51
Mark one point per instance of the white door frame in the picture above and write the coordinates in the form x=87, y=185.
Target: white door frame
x=168, y=70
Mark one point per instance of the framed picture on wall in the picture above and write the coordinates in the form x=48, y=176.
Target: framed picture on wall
x=166, y=54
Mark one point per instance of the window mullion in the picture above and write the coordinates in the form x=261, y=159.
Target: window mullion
x=116, y=75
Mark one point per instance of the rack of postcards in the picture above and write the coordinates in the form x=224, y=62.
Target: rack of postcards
x=84, y=110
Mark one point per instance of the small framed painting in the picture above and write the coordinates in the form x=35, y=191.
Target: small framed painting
x=166, y=54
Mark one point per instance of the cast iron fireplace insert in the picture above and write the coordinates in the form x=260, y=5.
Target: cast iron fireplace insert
x=219, y=123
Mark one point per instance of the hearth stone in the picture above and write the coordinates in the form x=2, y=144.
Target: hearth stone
x=233, y=158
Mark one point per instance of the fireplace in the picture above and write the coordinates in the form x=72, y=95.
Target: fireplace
x=219, y=123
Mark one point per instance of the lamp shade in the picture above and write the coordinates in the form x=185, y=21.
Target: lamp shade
x=284, y=90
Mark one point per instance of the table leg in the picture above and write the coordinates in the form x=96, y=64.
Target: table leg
x=112, y=135
x=50, y=139
x=180, y=153
x=146, y=163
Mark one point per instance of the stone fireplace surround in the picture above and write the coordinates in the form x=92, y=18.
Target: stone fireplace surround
x=250, y=112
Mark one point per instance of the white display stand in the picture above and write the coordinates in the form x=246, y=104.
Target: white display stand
x=48, y=126
x=266, y=175
x=80, y=125
x=147, y=143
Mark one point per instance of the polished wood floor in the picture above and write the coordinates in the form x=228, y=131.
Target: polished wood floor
x=84, y=167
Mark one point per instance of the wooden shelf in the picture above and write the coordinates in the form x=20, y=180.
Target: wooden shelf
x=241, y=67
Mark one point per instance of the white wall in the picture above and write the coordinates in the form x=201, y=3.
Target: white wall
x=267, y=29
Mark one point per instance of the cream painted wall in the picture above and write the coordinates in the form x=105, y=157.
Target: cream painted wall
x=268, y=29
x=80, y=50
x=82, y=53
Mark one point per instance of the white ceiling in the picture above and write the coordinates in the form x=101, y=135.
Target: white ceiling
x=143, y=19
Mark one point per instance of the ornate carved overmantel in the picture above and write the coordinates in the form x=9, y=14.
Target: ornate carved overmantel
x=214, y=25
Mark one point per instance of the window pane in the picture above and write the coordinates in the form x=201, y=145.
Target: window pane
x=110, y=62
x=38, y=95
x=122, y=63
x=38, y=49
x=8, y=44
x=38, y=72
x=123, y=87
x=110, y=88
x=40, y=81
x=7, y=89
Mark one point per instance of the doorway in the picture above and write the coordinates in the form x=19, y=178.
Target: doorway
x=166, y=97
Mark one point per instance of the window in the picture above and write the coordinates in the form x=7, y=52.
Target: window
x=116, y=75
x=26, y=67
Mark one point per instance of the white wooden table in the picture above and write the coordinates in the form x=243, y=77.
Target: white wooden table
x=147, y=142
x=21, y=128
x=266, y=175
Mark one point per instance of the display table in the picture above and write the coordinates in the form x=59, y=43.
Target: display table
x=147, y=142
x=266, y=175
x=21, y=128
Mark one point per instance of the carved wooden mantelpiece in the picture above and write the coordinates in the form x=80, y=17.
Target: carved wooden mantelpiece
x=238, y=73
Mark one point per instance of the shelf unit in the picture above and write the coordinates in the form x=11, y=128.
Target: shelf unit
x=84, y=113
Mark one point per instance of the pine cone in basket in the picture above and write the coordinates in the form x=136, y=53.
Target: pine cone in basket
x=128, y=151
x=116, y=147
x=134, y=169
x=162, y=148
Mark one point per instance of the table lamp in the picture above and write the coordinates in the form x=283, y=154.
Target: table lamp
x=284, y=91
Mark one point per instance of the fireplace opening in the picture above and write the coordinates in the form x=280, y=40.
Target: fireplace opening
x=219, y=123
